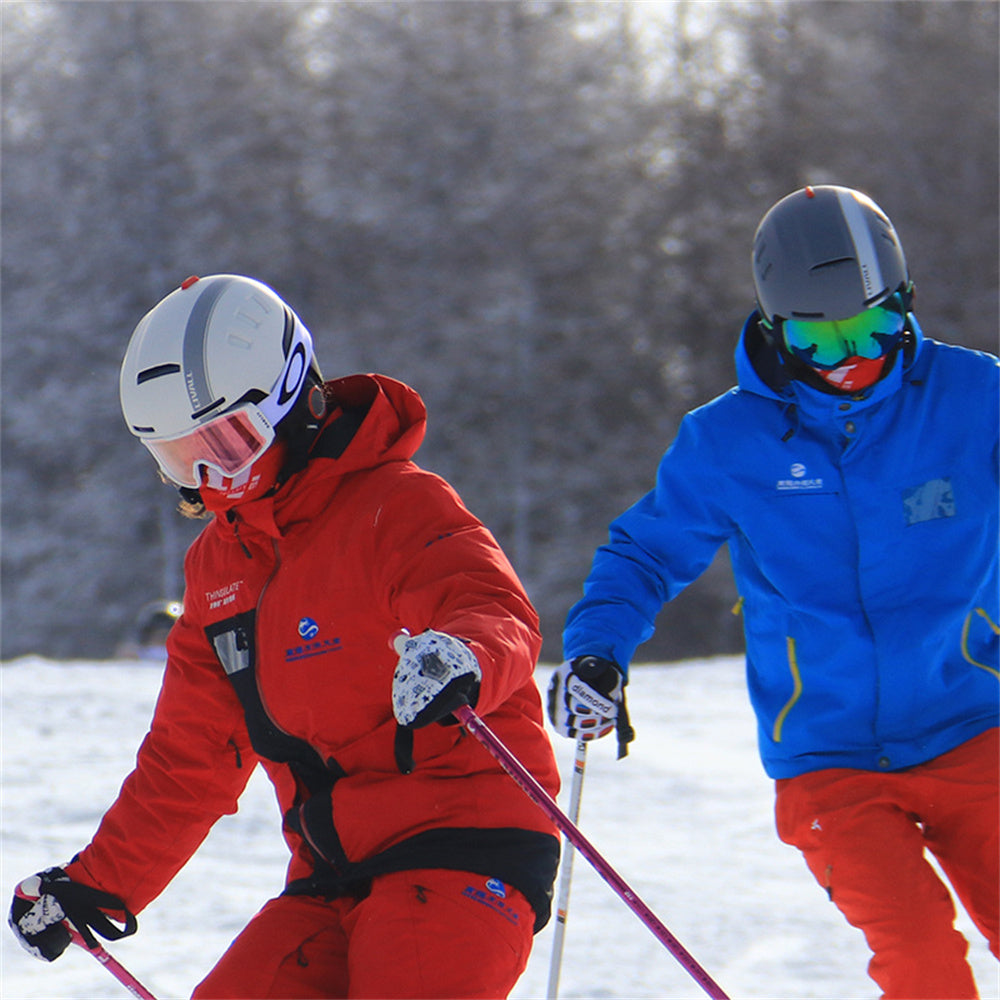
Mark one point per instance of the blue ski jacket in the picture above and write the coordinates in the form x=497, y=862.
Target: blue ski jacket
x=863, y=537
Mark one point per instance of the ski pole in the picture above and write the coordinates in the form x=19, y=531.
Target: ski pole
x=99, y=952
x=540, y=797
x=566, y=874
x=112, y=965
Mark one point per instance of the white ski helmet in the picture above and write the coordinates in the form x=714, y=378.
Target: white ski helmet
x=209, y=372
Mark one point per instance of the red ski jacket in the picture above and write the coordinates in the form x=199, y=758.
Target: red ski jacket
x=283, y=656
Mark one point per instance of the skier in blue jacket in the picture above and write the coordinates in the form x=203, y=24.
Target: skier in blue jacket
x=853, y=475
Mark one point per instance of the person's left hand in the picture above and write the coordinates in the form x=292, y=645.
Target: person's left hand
x=436, y=673
x=48, y=906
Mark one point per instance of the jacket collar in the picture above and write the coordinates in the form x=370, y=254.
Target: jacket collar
x=374, y=420
x=760, y=370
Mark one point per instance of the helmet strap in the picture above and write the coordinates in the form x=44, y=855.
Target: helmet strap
x=300, y=428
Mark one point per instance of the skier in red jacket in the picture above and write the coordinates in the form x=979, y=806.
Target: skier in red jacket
x=418, y=868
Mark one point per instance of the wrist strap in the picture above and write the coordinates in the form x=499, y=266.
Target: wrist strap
x=84, y=906
x=623, y=728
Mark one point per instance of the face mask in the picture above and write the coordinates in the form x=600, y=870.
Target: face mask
x=220, y=493
x=849, y=355
x=853, y=375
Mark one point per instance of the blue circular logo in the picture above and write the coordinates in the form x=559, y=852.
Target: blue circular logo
x=308, y=629
x=497, y=887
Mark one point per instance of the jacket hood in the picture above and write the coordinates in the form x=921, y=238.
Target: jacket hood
x=374, y=419
x=760, y=370
x=390, y=417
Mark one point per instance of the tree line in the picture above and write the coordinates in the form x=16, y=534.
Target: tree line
x=539, y=214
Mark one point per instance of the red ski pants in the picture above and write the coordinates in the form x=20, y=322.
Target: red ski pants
x=428, y=933
x=863, y=835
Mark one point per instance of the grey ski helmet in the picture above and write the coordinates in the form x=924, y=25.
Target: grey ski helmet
x=825, y=253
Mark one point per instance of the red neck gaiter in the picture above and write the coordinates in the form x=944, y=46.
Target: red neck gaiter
x=219, y=493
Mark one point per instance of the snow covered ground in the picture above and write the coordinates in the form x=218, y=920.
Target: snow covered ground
x=686, y=819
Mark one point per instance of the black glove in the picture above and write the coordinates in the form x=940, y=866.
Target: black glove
x=46, y=904
x=586, y=700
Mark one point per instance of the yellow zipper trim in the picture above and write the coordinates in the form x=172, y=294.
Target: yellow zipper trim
x=965, y=640
x=793, y=665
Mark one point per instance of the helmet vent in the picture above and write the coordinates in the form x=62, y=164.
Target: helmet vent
x=155, y=372
x=831, y=263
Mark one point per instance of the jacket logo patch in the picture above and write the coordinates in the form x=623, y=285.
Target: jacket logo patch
x=798, y=480
x=308, y=630
x=490, y=898
x=316, y=648
x=929, y=501
x=223, y=596
x=497, y=887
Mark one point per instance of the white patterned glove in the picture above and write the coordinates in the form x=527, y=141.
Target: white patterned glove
x=436, y=673
x=586, y=700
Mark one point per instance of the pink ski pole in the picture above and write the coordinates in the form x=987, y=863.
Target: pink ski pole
x=540, y=797
x=112, y=965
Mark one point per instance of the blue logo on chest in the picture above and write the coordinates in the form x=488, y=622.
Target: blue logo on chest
x=312, y=644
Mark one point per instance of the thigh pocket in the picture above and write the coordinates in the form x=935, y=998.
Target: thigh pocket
x=478, y=905
x=453, y=934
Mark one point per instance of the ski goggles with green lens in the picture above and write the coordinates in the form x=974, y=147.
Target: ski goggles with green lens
x=871, y=334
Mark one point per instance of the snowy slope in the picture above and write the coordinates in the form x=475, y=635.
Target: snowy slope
x=686, y=819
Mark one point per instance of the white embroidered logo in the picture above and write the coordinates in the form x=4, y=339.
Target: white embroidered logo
x=800, y=480
x=223, y=596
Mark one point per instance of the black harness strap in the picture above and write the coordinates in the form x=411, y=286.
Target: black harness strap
x=233, y=641
x=524, y=859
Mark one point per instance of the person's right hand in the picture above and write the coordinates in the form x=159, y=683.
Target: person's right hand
x=49, y=907
x=584, y=696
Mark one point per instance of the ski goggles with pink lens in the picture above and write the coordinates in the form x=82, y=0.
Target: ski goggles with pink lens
x=870, y=334
x=232, y=441
x=229, y=443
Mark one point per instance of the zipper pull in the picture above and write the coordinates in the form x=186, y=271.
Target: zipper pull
x=233, y=518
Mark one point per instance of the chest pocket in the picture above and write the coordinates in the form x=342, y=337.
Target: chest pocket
x=233, y=640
